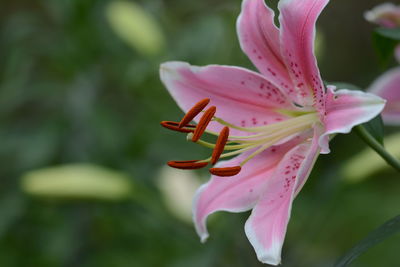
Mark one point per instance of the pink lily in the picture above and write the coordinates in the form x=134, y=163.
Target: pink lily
x=275, y=122
x=387, y=86
x=386, y=15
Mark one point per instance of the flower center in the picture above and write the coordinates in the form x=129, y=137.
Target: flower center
x=226, y=145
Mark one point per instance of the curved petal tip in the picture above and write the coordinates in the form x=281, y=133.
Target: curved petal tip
x=272, y=255
x=203, y=237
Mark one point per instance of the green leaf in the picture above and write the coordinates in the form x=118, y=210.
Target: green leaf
x=376, y=128
x=386, y=230
x=390, y=33
x=384, y=44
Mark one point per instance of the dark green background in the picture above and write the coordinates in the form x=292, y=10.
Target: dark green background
x=72, y=91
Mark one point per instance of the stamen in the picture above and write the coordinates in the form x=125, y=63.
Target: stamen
x=187, y=164
x=203, y=123
x=219, y=145
x=259, y=139
x=194, y=111
x=225, y=172
x=174, y=126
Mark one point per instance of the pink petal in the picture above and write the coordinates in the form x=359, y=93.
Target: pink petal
x=242, y=97
x=242, y=191
x=387, y=86
x=308, y=164
x=259, y=39
x=266, y=227
x=346, y=109
x=297, y=20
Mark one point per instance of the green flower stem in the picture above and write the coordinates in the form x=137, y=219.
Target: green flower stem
x=375, y=145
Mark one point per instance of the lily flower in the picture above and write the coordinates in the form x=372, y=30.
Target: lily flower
x=272, y=125
x=387, y=86
x=386, y=15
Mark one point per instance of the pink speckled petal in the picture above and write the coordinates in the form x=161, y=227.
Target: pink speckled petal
x=242, y=191
x=242, y=97
x=259, y=39
x=297, y=20
x=346, y=109
x=266, y=227
x=387, y=86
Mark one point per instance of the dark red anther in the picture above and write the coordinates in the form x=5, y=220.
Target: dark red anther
x=203, y=123
x=220, y=144
x=194, y=111
x=225, y=172
x=187, y=164
x=174, y=126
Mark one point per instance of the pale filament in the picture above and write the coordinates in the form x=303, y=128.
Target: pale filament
x=266, y=136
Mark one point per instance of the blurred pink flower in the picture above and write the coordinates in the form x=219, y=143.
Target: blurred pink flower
x=387, y=86
x=277, y=121
x=386, y=15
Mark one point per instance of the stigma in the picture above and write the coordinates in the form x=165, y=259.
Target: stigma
x=254, y=139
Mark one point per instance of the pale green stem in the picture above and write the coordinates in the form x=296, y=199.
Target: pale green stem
x=375, y=145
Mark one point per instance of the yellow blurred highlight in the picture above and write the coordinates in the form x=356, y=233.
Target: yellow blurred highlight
x=77, y=181
x=319, y=45
x=178, y=188
x=135, y=26
x=368, y=162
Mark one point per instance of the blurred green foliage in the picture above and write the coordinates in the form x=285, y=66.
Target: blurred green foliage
x=72, y=91
x=356, y=168
x=385, y=41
